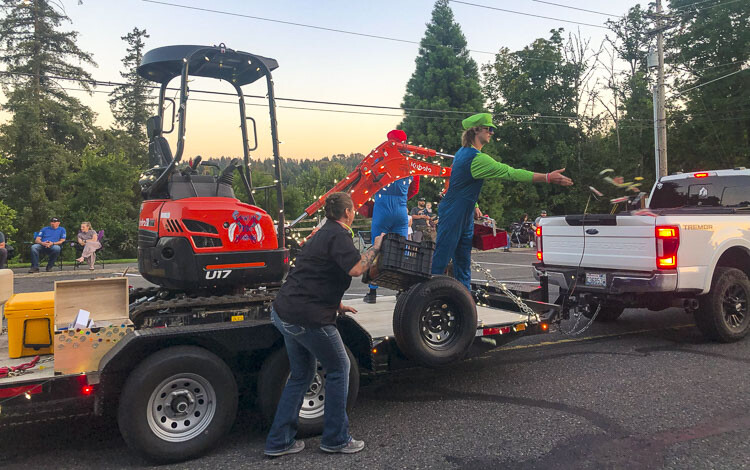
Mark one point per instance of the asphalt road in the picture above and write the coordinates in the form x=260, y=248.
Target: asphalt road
x=644, y=392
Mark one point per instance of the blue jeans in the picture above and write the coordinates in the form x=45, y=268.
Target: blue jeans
x=52, y=253
x=304, y=345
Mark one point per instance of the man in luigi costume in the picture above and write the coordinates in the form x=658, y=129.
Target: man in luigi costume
x=469, y=170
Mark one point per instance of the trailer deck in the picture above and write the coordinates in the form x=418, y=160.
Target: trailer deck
x=377, y=318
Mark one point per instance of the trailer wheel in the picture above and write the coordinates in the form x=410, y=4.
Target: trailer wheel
x=723, y=314
x=436, y=322
x=271, y=382
x=609, y=311
x=177, y=404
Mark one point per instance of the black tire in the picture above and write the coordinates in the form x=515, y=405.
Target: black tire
x=271, y=382
x=436, y=322
x=723, y=314
x=188, y=383
x=609, y=311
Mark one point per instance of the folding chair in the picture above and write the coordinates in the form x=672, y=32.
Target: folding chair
x=79, y=249
x=42, y=257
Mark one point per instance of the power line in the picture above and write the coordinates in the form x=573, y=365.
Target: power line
x=522, y=13
x=303, y=25
x=333, y=30
x=574, y=8
x=296, y=100
x=711, y=81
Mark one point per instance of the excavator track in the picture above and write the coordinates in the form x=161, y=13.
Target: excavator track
x=148, y=310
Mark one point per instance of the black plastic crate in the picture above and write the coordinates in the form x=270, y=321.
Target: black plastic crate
x=401, y=263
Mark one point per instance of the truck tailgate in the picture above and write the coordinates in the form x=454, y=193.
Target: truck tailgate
x=606, y=241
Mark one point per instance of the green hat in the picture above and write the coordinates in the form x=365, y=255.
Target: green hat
x=481, y=119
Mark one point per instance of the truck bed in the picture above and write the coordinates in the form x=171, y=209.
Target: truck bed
x=377, y=318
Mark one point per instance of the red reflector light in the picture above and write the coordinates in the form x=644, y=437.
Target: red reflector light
x=87, y=389
x=16, y=391
x=544, y=326
x=505, y=330
x=539, y=231
x=490, y=331
x=539, y=255
x=700, y=175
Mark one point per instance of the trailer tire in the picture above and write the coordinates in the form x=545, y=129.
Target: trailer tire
x=723, y=313
x=177, y=404
x=436, y=322
x=609, y=311
x=271, y=382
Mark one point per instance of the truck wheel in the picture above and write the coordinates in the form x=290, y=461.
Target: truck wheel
x=722, y=314
x=177, y=404
x=436, y=322
x=609, y=311
x=271, y=382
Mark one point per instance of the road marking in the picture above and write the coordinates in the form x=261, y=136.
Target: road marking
x=588, y=338
x=506, y=264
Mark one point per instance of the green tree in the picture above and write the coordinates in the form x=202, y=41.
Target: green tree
x=709, y=48
x=130, y=102
x=445, y=78
x=101, y=192
x=48, y=128
x=530, y=89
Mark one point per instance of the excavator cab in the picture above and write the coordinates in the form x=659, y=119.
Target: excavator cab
x=194, y=234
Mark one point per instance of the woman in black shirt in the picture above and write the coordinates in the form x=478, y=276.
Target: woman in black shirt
x=305, y=312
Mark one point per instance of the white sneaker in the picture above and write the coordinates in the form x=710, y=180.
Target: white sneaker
x=296, y=447
x=351, y=447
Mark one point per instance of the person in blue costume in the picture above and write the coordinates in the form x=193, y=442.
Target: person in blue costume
x=457, y=209
x=389, y=212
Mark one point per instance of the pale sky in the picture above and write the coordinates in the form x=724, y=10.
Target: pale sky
x=313, y=64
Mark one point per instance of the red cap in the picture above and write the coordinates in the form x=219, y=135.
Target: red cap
x=398, y=135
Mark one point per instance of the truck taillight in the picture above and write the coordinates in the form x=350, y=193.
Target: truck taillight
x=667, y=243
x=538, y=233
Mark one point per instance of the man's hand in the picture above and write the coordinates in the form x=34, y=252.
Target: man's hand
x=378, y=241
x=556, y=177
x=477, y=213
x=345, y=308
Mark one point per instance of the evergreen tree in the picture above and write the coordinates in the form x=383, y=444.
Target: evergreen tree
x=130, y=103
x=48, y=128
x=445, y=78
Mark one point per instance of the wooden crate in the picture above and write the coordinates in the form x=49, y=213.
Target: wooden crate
x=106, y=299
x=80, y=350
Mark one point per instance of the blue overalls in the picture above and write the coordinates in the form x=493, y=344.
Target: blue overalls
x=389, y=214
x=456, y=226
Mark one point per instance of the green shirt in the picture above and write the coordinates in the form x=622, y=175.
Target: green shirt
x=483, y=166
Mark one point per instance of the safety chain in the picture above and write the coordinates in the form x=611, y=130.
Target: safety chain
x=21, y=369
x=572, y=331
x=517, y=300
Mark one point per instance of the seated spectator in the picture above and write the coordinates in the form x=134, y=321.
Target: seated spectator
x=3, y=252
x=88, y=239
x=48, y=242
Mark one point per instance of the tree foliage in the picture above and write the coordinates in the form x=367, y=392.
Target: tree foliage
x=131, y=102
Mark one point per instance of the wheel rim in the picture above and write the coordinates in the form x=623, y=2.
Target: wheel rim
x=439, y=327
x=313, y=405
x=735, y=306
x=181, y=407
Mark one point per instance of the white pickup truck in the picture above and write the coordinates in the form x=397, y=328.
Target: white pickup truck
x=690, y=248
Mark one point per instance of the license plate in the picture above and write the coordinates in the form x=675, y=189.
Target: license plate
x=596, y=280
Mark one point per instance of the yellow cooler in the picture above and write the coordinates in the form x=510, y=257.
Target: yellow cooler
x=31, y=318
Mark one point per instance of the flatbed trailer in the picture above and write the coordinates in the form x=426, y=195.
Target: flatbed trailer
x=187, y=380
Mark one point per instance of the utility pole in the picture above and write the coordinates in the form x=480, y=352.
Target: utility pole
x=661, y=110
